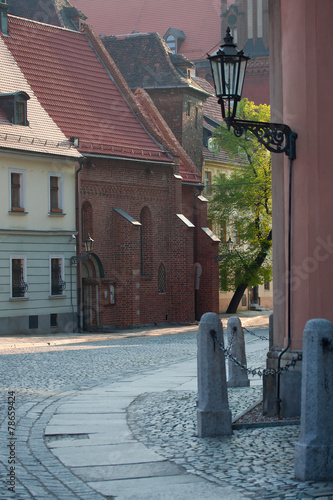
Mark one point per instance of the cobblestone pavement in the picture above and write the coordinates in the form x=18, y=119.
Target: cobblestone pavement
x=43, y=373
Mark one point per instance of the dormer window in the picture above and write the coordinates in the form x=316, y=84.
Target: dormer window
x=171, y=42
x=15, y=107
x=174, y=39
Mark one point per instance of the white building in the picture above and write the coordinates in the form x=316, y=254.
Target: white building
x=37, y=212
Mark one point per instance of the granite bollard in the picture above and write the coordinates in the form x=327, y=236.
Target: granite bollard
x=213, y=413
x=314, y=450
x=237, y=376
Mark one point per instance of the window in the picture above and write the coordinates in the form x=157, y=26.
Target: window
x=18, y=276
x=58, y=284
x=267, y=285
x=56, y=193
x=208, y=182
x=188, y=108
x=20, y=113
x=196, y=117
x=53, y=320
x=17, y=191
x=86, y=220
x=171, y=42
x=15, y=107
x=161, y=279
x=146, y=242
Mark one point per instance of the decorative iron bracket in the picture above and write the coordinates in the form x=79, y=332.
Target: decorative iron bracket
x=79, y=258
x=276, y=137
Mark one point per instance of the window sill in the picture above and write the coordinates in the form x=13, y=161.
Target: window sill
x=56, y=297
x=56, y=214
x=18, y=299
x=17, y=212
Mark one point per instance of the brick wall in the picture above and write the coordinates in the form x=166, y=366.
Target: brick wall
x=153, y=195
x=183, y=112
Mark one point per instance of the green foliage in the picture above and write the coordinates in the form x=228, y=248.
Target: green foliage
x=242, y=203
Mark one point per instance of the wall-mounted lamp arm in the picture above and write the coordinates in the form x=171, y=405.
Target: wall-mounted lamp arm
x=276, y=137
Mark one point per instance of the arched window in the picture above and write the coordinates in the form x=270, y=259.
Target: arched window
x=171, y=42
x=161, y=279
x=146, y=242
x=86, y=220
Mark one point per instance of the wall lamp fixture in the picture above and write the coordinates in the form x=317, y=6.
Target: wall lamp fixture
x=228, y=66
x=88, y=245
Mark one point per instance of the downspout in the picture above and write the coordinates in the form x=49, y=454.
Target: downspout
x=292, y=156
x=195, y=248
x=77, y=222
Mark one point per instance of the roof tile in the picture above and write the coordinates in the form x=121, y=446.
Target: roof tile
x=199, y=20
x=63, y=70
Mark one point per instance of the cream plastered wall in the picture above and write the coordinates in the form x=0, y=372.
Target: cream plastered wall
x=37, y=170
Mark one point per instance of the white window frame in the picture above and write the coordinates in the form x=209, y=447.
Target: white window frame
x=22, y=190
x=24, y=259
x=60, y=209
x=62, y=259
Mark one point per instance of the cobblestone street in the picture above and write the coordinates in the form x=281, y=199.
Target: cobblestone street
x=52, y=378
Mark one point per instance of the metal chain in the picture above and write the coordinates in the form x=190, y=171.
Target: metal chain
x=255, y=371
x=261, y=337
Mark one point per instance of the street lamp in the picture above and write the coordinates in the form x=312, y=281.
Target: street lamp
x=228, y=66
x=228, y=69
x=230, y=246
x=88, y=245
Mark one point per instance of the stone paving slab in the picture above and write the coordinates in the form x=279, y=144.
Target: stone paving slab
x=113, y=454
x=128, y=471
x=184, y=487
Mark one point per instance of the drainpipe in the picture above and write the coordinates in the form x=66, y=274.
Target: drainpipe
x=77, y=223
x=195, y=249
x=278, y=376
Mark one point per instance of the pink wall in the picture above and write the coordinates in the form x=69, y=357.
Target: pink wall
x=301, y=81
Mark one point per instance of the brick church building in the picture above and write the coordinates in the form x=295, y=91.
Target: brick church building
x=138, y=192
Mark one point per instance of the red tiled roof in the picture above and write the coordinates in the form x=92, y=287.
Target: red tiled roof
x=199, y=20
x=64, y=72
x=145, y=61
x=42, y=135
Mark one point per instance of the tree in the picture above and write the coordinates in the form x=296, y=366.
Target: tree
x=242, y=203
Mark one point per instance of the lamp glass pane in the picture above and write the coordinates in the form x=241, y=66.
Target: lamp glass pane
x=230, y=76
x=242, y=68
x=216, y=71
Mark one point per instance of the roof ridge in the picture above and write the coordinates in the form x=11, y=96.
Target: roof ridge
x=53, y=26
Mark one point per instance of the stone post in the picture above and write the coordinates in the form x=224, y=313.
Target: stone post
x=237, y=376
x=213, y=414
x=314, y=450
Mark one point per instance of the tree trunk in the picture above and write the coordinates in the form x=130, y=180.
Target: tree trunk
x=237, y=296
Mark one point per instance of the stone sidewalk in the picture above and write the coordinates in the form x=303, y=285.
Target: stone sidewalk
x=136, y=439
x=90, y=435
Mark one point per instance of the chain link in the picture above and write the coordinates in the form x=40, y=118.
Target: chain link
x=261, y=337
x=255, y=371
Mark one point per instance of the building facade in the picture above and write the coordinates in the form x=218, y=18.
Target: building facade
x=37, y=172
x=136, y=196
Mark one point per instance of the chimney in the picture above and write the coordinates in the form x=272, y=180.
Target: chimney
x=3, y=17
